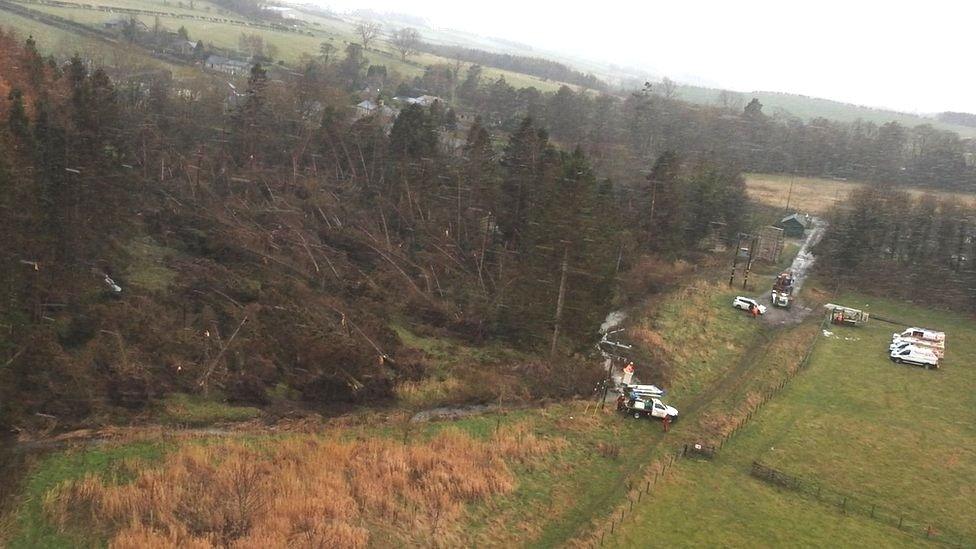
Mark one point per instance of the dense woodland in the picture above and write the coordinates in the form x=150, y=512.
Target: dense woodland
x=619, y=131
x=163, y=236
x=888, y=243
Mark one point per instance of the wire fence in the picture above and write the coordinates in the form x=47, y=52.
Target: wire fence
x=663, y=467
x=636, y=492
x=846, y=504
x=851, y=505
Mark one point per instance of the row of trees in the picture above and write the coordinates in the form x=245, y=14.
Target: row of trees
x=887, y=242
x=642, y=125
x=619, y=132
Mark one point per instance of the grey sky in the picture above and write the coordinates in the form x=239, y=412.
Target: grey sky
x=911, y=56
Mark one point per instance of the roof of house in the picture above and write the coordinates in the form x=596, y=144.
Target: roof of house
x=798, y=218
x=221, y=60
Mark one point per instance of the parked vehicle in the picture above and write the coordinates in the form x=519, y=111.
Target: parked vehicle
x=919, y=356
x=652, y=407
x=780, y=299
x=900, y=344
x=747, y=303
x=840, y=314
x=922, y=334
x=921, y=342
x=782, y=293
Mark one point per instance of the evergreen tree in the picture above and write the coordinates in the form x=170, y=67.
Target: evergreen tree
x=35, y=64
x=352, y=67
x=413, y=134
x=17, y=116
x=661, y=221
x=253, y=118
x=525, y=161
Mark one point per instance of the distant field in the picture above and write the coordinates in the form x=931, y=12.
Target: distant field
x=54, y=40
x=898, y=437
x=815, y=195
x=291, y=45
x=807, y=108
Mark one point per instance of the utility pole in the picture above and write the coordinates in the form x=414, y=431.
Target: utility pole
x=752, y=248
x=789, y=195
x=735, y=258
x=559, y=301
x=606, y=382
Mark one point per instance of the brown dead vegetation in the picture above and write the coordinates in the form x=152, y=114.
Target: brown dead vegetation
x=301, y=492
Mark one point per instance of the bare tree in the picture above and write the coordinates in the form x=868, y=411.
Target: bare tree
x=730, y=100
x=406, y=41
x=668, y=88
x=368, y=30
x=326, y=50
x=251, y=44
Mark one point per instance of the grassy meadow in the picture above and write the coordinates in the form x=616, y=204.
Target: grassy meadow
x=816, y=195
x=898, y=437
x=545, y=498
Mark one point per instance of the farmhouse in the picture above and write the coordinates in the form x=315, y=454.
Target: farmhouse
x=793, y=225
x=367, y=108
x=225, y=65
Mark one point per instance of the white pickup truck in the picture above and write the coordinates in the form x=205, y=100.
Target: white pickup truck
x=652, y=407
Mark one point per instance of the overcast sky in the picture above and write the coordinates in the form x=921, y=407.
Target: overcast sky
x=914, y=56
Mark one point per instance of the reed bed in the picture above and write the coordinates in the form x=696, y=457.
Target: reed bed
x=301, y=492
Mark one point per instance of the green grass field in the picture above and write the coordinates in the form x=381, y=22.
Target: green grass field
x=291, y=46
x=898, y=437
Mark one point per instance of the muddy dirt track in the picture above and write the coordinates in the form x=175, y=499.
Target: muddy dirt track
x=801, y=266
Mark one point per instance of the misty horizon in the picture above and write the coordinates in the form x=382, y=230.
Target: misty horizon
x=865, y=60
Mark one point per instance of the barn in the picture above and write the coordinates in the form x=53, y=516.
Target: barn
x=793, y=225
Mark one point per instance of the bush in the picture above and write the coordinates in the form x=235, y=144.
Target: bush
x=652, y=275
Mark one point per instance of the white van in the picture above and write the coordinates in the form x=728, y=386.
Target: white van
x=912, y=354
x=921, y=333
x=900, y=345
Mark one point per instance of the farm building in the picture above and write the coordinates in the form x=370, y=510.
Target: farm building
x=229, y=66
x=368, y=108
x=793, y=225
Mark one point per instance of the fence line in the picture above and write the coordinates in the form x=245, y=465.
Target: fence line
x=850, y=505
